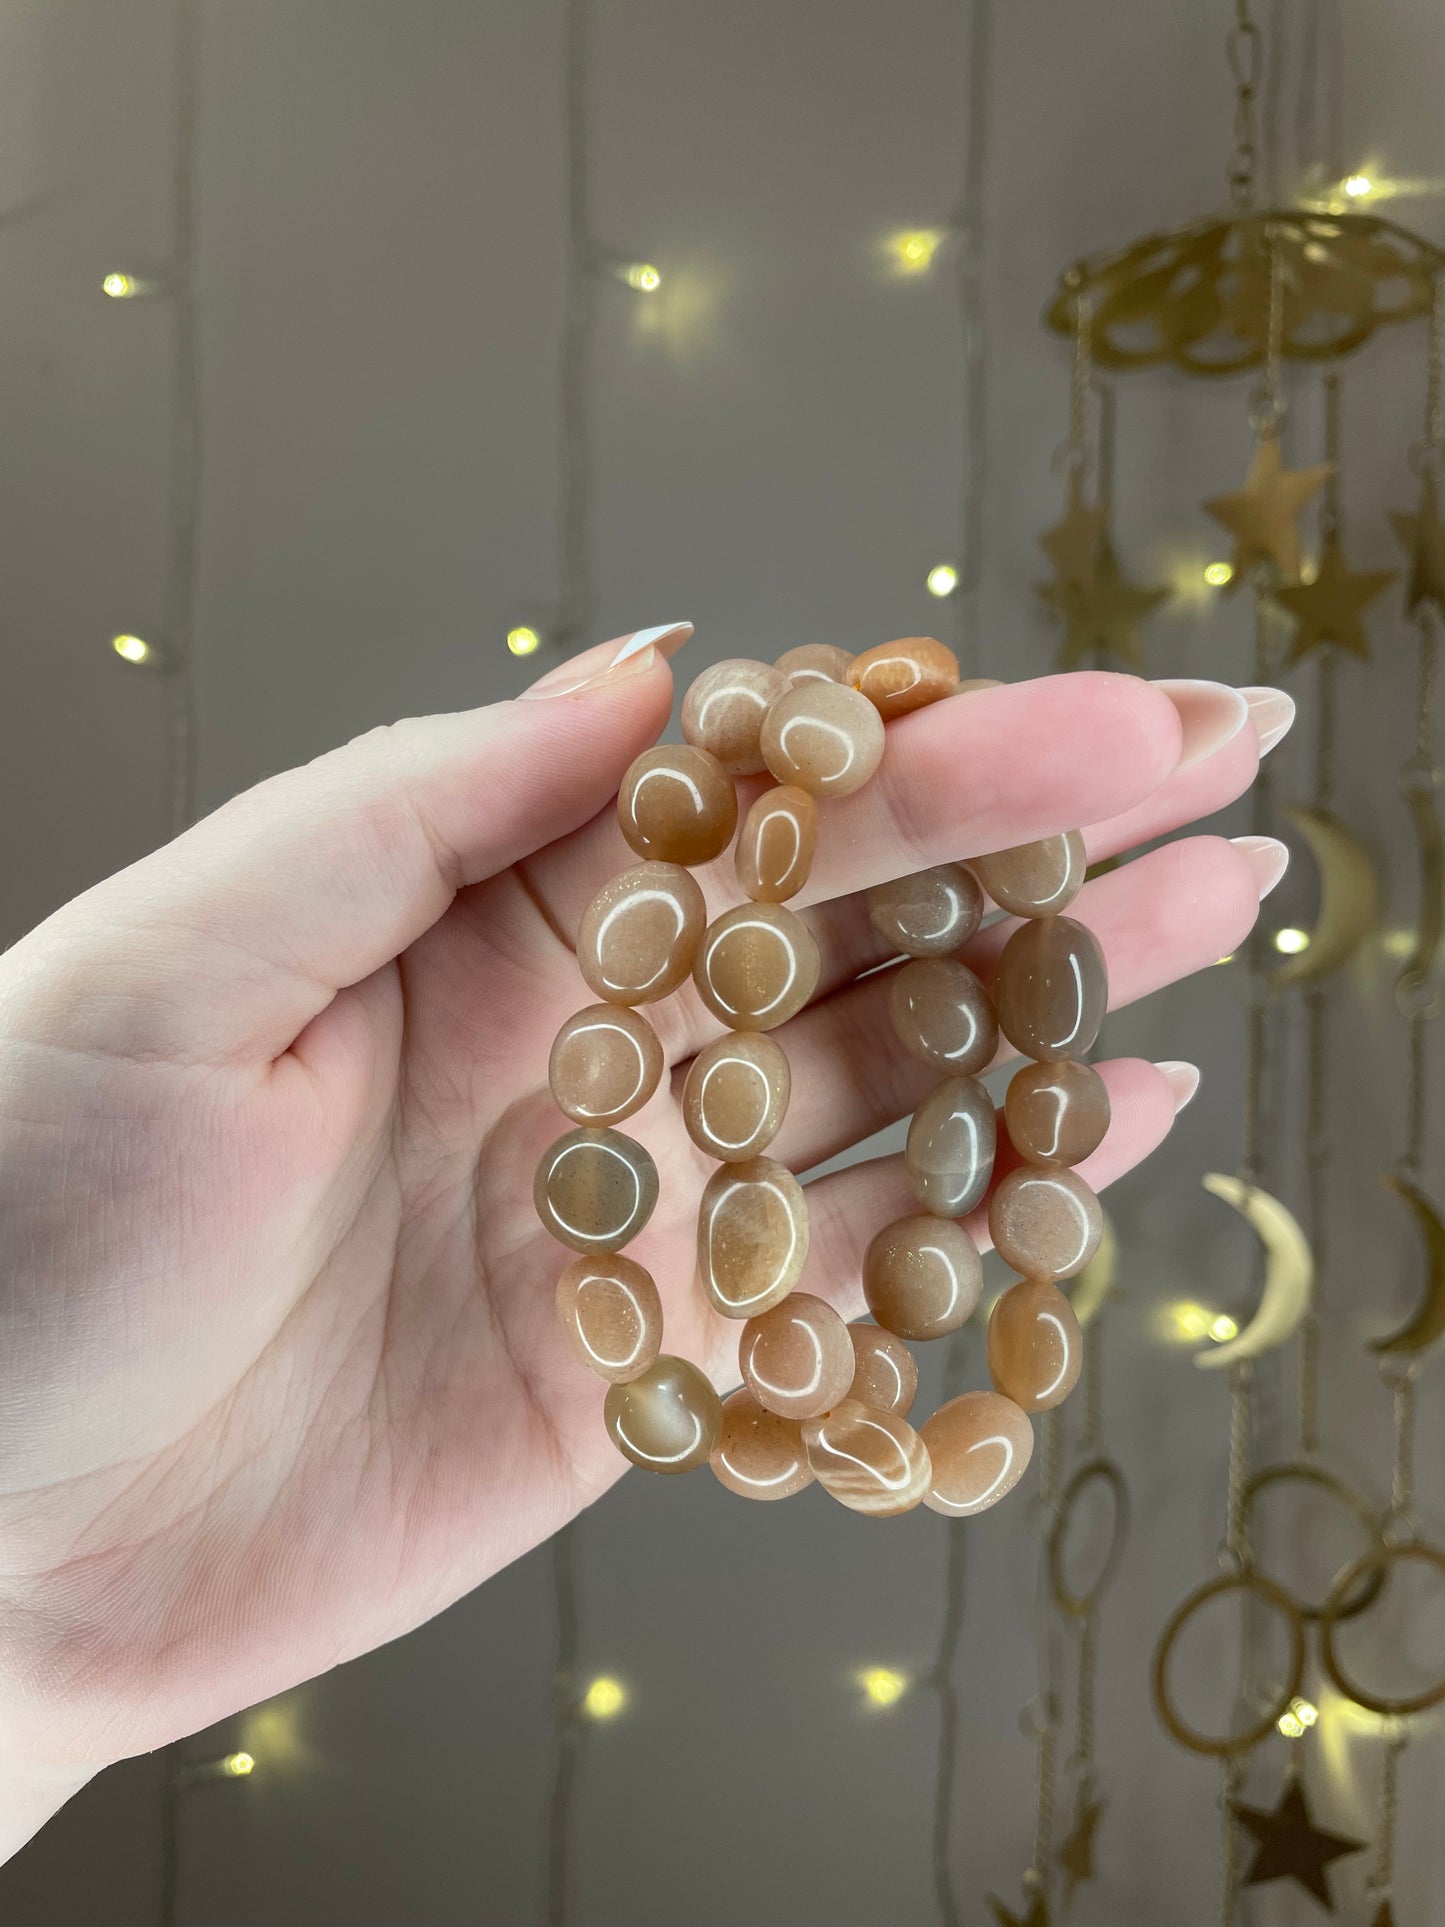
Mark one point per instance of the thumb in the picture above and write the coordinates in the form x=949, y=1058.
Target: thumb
x=227, y=942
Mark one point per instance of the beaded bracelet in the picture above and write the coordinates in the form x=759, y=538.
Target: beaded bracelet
x=821, y=1399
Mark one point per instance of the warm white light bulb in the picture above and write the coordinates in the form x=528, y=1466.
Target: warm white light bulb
x=1358, y=186
x=1223, y=1328
x=120, y=287
x=523, y=641
x=238, y=1765
x=131, y=648
x=914, y=248
x=1217, y=574
x=882, y=1686
x=642, y=277
x=1290, y=942
x=942, y=579
x=604, y=1699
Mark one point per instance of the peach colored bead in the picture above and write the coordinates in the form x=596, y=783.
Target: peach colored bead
x=885, y=1374
x=752, y=1236
x=640, y=934
x=928, y=914
x=1044, y=1222
x=797, y=1359
x=1035, y=879
x=1035, y=1347
x=677, y=804
x=735, y=1096
x=980, y=1445
x=757, y=966
x=723, y=711
x=922, y=1276
x=1057, y=1113
x=942, y=1015
x=605, y=1064
x=906, y=674
x=594, y=1190
x=870, y=1461
x=1051, y=990
x=774, y=853
x=612, y=1314
x=950, y=1147
x=824, y=737
x=815, y=662
x=759, y=1455
x=666, y=1419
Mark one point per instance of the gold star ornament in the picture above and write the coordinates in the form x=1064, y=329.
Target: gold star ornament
x=1037, y=1915
x=1331, y=607
x=1102, y=615
x=1423, y=540
x=1262, y=515
x=1289, y=1846
x=1076, y=1855
x=1072, y=544
x=1385, y=1917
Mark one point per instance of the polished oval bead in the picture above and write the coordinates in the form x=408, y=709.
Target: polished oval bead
x=752, y=1236
x=815, y=662
x=594, y=1190
x=942, y=1015
x=929, y=914
x=1045, y=1222
x=797, y=1359
x=1056, y=1113
x=640, y=934
x=605, y=1064
x=611, y=1313
x=735, y=1096
x=824, y=737
x=870, y=1461
x=666, y=1419
x=757, y=966
x=1035, y=879
x=677, y=804
x=979, y=1446
x=906, y=674
x=950, y=1146
x=922, y=1276
x=1035, y=1347
x=885, y=1373
x=723, y=711
x=759, y=1455
x=1052, y=989
x=774, y=854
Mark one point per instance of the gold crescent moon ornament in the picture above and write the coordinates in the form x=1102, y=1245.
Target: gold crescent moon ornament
x=1428, y=1322
x=1416, y=992
x=1349, y=895
x=1096, y=1281
x=1289, y=1277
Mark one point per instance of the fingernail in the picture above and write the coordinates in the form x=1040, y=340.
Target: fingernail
x=629, y=655
x=1272, y=712
x=1211, y=712
x=1183, y=1080
x=1266, y=856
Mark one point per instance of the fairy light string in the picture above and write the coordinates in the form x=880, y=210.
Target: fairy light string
x=973, y=325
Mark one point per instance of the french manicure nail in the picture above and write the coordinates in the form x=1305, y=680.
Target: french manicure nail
x=1183, y=1080
x=1266, y=856
x=631, y=655
x=1210, y=713
x=1272, y=713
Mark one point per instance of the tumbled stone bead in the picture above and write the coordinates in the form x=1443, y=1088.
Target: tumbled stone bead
x=1056, y=1113
x=735, y=1096
x=752, y=1236
x=759, y=1455
x=774, y=854
x=797, y=1359
x=979, y=1445
x=922, y=1276
x=757, y=966
x=605, y=1064
x=595, y=1190
x=870, y=1461
x=640, y=934
x=1035, y=879
x=1046, y=1223
x=885, y=1372
x=928, y=914
x=906, y=674
x=666, y=1419
x=611, y=1313
x=942, y=1015
x=824, y=737
x=950, y=1147
x=677, y=804
x=1035, y=1347
x=1052, y=990
x=815, y=662
x=723, y=711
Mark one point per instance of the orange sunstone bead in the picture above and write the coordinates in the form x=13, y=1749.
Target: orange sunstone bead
x=824, y=737
x=677, y=804
x=667, y=1419
x=929, y=914
x=869, y=1461
x=1035, y=879
x=606, y=1063
x=640, y=934
x=1052, y=989
x=757, y=966
x=1035, y=1347
x=815, y=662
x=723, y=711
x=1044, y=1221
x=922, y=1276
x=906, y=674
x=949, y=1150
x=1057, y=1113
x=885, y=1375
x=942, y=1015
x=759, y=1455
x=595, y=1190
x=612, y=1314
x=752, y=1236
x=979, y=1446
x=775, y=847
x=735, y=1095
x=797, y=1359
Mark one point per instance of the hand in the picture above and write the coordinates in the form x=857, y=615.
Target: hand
x=281, y=1371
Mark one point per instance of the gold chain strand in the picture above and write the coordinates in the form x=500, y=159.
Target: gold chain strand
x=1402, y=1474
x=1236, y=1543
x=1079, y=381
x=1084, y=1717
x=574, y=533
x=1330, y=498
x=1242, y=46
x=973, y=318
x=1093, y=1438
x=1105, y=390
x=1381, y=1884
